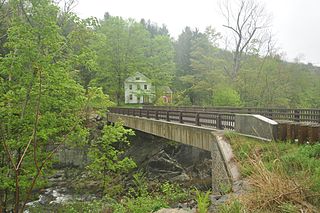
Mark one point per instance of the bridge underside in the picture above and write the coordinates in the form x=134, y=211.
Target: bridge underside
x=224, y=170
x=199, y=137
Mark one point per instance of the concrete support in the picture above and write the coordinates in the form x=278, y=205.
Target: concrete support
x=256, y=126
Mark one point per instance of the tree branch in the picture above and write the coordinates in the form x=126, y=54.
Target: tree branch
x=44, y=162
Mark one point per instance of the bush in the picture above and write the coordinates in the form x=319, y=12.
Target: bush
x=226, y=96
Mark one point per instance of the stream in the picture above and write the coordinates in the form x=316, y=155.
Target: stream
x=59, y=193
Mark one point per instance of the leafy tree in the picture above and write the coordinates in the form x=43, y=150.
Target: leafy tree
x=207, y=68
x=184, y=71
x=126, y=47
x=81, y=37
x=121, y=52
x=226, y=97
x=183, y=61
x=160, y=59
x=4, y=24
x=154, y=29
x=105, y=156
x=41, y=105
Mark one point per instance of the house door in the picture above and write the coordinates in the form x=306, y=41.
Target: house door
x=145, y=99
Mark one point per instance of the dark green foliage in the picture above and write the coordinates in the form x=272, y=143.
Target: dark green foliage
x=104, y=156
x=226, y=97
x=125, y=47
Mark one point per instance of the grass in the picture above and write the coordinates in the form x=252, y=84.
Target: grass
x=282, y=177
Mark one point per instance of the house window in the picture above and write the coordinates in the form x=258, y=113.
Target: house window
x=130, y=87
x=145, y=86
x=130, y=97
x=138, y=78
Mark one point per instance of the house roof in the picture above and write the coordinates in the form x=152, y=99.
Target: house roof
x=142, y=78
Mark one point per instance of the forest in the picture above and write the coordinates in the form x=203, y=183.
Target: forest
x=58, y=70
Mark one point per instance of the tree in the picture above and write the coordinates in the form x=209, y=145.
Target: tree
x=184, y=71
x=226, y=96
x=81, y=36
x=40, y=103
x=126, y=47
x=4, y=24
x=121, y=52
x=160, y=62
x=206, y=63
x=248, y=23
x=154, y=29
x=105, y=157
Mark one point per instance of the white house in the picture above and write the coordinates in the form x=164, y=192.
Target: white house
x=138, y=89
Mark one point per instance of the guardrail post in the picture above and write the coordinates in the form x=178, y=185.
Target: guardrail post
x=147, y=113
x=197, y=119
x=296, y=115
x=140, y=112
x=168, y=118
x=157, y=116
x=180, y=117
x=218, y=121
x=270, y=113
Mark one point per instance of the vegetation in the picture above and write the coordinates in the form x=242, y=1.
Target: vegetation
x=141, y=198
x=59, y=73
x=203, y=201
x=281, y=177
x=104, y=157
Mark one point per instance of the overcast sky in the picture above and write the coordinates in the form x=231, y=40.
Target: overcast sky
x=295, y=23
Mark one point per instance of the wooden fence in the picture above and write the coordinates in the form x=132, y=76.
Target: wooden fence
x=303, y=132
x=297, y=115
x=206, y=119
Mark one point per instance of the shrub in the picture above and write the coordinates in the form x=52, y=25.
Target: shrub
x=203, y=201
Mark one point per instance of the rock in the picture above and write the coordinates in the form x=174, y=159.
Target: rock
x=181, y=178
x=163, y=162
x=187, y=205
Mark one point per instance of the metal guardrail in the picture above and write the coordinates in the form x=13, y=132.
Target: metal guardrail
x=297, y=115
x=207, y=119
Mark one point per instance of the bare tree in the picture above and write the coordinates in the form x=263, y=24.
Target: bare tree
x=248, y=22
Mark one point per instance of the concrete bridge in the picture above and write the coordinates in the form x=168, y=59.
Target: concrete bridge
x=204, y=129
x=201, y=130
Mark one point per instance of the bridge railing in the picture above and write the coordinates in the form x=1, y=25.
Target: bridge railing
x=216, y=120
x=297, y=115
